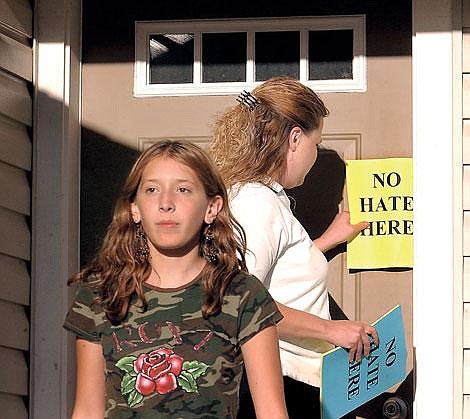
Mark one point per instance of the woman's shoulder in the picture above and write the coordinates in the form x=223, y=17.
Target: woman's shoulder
x=249, y=189
x=255, y=198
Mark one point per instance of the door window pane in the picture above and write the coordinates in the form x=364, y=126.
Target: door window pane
x=219, y=56
x=171, y=58
x=224, y=57
x=277, y=54
x=330, y=54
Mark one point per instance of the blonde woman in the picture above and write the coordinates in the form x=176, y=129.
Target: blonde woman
x=262, y=146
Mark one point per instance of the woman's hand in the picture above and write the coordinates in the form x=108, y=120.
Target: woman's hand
x=349, y=334
x=352, y=335
x=339, y=231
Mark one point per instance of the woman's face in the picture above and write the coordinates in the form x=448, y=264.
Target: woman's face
x=301, y=159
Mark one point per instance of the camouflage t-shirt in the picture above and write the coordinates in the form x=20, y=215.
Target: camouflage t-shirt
x=170, y=362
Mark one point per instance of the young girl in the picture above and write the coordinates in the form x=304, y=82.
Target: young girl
x=265, y=144
x=166, y=315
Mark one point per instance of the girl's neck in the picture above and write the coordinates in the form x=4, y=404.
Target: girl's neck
x=174, y=272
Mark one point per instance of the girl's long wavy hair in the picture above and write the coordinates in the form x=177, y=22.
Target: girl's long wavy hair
x=251, y=145
x=118, y=275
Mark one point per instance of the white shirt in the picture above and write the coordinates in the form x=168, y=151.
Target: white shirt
x=282, y=255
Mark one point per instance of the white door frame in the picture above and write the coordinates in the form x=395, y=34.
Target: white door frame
x=55, y=201
x=436, y=221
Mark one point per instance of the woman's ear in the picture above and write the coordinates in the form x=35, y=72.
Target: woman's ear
x=294, y=138
x=213, y=208
x=135, y=212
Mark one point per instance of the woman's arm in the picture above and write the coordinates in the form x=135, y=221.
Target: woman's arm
x=266, y=238
x=348, y=334
x=90, y=393
x=339, y=231
x=263, y=369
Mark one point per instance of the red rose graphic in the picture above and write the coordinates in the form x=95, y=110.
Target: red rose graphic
x=157, y=371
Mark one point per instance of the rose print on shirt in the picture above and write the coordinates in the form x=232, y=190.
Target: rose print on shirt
x=159, y=371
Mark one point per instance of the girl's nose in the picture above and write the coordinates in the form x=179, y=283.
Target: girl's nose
x=167, y=203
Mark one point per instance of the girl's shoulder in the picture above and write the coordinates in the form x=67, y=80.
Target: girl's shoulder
x=243, y=283
x=88, y=287
x=87, y=293
x=86, y=317
x=252, y=304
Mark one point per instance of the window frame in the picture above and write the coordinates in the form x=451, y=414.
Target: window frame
x=144, y=29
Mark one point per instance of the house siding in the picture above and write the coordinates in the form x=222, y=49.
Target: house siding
x=466, y=206
x=16, y=21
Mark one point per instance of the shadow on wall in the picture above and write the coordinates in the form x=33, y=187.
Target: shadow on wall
x=104, y=167
x=317, y=200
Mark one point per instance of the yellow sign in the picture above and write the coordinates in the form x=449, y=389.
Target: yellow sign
x=380, y=191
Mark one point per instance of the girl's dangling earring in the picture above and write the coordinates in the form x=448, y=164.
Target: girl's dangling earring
x=141, y=247
x=209, y=251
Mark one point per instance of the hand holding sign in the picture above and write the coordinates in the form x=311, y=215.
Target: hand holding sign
x=354, y=336
x=346, y=385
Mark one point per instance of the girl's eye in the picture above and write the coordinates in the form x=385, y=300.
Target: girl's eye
x=150, y=189
x=183, y=189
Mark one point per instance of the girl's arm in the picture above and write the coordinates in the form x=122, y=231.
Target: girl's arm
x=90, y=393
x=348, y=334
x=263, y=369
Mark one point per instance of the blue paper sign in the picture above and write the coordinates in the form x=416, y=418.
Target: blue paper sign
x=346, y=386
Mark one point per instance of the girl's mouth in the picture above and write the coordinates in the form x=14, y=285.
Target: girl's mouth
x=167, y=224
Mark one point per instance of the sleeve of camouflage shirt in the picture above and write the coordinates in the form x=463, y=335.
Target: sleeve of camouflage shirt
x=257, y=309
x=82, y=318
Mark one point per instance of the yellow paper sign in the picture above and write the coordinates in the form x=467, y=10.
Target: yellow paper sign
x=380, y=191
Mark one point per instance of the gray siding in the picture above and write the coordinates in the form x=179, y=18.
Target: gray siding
x=16, y=66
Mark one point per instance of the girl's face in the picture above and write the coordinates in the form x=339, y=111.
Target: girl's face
x=172, y=206
x=301, y=157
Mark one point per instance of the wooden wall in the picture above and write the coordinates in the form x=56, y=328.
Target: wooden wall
x=16, y=65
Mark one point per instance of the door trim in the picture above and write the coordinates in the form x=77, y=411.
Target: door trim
x=55, y=202
x=433, y=278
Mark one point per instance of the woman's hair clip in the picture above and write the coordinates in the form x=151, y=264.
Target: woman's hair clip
x=247, y=99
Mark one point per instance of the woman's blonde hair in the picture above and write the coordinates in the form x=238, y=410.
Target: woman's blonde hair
x=118, y=274
x=251, y=145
